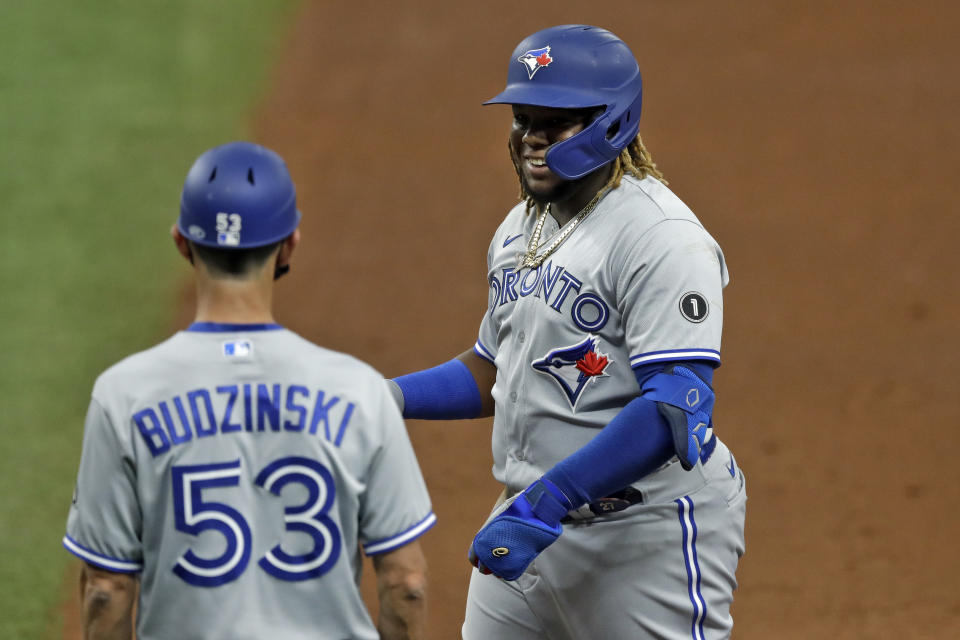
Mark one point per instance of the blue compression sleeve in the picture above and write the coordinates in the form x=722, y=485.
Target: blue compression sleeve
x=633, y=444
x=445, y=392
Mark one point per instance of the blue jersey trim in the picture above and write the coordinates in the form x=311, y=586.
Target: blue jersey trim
x=227, y=327
x=99, y=560
x=402, y=538
x=481, y=350
x=675, y=354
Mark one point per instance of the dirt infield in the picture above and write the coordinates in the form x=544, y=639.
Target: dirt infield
x=815, y=144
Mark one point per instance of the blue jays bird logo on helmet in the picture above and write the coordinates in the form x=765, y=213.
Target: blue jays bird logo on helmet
x=574, y=367
x=536, y=59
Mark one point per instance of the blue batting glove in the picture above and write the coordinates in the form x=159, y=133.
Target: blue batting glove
x=519, y=530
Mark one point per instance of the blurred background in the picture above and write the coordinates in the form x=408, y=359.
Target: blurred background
x=815, y=140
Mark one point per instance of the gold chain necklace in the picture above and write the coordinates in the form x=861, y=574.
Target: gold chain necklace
x=530, y=258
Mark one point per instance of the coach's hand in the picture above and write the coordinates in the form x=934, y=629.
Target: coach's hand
x=519, y=530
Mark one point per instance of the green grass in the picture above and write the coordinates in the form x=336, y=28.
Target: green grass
x=103, y=106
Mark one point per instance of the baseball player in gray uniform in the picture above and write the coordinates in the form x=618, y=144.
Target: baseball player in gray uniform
x=623, y=512
x=237, y=471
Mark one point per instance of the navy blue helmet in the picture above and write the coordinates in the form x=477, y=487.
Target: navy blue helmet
x=238, y=196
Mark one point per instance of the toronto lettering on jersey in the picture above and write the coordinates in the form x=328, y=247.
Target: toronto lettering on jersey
x=553, y=284
x=247, y=407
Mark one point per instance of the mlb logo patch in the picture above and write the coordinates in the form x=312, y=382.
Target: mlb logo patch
x=238, y=348
x=536, y=59
x=229, y=238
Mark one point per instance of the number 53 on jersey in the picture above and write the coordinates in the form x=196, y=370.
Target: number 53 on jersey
x=194, y=515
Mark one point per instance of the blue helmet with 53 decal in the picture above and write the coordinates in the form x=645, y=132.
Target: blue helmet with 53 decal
x=238, y=196
x=575, y=67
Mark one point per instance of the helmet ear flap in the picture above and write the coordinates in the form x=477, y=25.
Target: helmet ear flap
x=622, y=132
x=584, y=152
x=599, y=143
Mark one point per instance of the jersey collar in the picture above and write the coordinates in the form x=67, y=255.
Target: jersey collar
x=225, y=327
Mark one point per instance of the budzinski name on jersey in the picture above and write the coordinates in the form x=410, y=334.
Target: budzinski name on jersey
x=250, y=407
x=553, y=284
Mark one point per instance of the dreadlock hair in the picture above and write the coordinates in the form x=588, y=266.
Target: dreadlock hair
x=634, y=160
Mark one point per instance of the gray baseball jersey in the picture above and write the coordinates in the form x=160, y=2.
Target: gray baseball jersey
x=241, y=470
x=639, y=281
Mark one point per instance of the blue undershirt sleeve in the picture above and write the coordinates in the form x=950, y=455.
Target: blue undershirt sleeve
x=636, y=442
x=445, y=392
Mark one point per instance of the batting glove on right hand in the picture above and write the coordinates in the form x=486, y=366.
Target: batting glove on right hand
x=521, y=528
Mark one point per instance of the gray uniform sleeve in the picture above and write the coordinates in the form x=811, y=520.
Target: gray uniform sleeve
x=395, y=507
x=669, y=294
x=104, y=523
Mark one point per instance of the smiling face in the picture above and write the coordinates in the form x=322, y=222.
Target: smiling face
x=534, y=130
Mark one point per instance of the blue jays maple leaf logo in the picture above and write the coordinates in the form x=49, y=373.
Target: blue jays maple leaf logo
x=574, y=367
x=535, y=59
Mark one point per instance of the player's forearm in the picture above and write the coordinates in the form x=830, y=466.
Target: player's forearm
x=635, y=443
x=106, y=604
x=403, y=610
x=402, y=591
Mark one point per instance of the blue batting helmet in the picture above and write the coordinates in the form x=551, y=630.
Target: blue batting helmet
x=574, y=67
x=238, y=196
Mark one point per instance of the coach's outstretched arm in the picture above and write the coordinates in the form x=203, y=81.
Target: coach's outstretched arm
x=402, y=592
x=107, y=603
x=458, y=388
